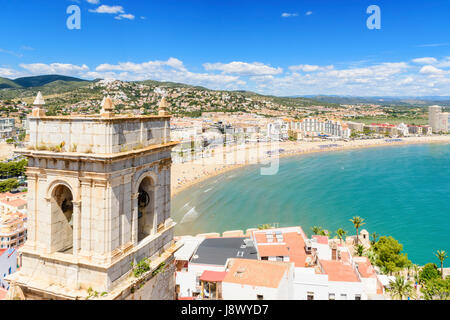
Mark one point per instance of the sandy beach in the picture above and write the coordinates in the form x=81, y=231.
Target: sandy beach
x=222, y=160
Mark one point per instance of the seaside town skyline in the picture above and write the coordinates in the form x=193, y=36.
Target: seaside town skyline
x=193, y=151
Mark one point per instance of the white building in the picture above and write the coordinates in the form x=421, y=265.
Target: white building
x=258, y=280
x=8, y=265
x=438, y=120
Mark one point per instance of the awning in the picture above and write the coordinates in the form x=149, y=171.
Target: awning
x=213, y=276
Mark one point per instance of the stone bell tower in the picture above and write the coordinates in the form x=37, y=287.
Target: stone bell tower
x=98, y=202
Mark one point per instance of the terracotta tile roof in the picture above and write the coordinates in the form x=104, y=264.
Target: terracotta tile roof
x=321, y=239
x=3, y=293
x=293, y=243
x=15, y=203
x=365, y=268
x=213, y=276
x=273, y=250
x=339, y=271
x=255, y=272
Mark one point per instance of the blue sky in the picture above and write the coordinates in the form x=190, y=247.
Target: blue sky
x=273, y=47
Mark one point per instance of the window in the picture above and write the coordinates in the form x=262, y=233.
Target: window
x=343, y=296
x=331, y=296
x=9, y=270
x=310, y=296
x=357, y=297
x=259, y=297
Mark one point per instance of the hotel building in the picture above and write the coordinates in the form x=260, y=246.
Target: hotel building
x=438, y=120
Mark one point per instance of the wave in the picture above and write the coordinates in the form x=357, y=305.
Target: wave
x=191, y=216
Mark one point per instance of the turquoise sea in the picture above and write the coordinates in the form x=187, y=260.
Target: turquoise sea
x=400, y=191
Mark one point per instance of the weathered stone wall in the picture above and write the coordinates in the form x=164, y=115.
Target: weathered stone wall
x=97, y=135
x=160, y=287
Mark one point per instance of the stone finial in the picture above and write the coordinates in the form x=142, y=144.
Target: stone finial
x=163, y=107
x=38, y=102
x=107, y=107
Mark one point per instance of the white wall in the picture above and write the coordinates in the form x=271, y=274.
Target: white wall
x=6, y=263
x=306, y=280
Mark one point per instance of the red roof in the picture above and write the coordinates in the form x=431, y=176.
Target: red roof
x=321, y=239
x=273, y=250
x=365, y=268
x=293, y=243
x=15, y=203
x=339, y=271
x=213, y=276
x=3, y=293
x=2, y=251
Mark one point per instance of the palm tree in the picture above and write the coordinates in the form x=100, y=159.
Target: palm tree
x=316, y=230
x=359, y=250
x=441, y=255
x=401, y=288
x=358, y=222
x=341, y=233
x=374, y=238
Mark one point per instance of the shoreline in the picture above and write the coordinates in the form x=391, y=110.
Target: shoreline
x=187, y=175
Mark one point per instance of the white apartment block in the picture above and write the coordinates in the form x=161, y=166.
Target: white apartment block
x=438, y=120
x=7, y=127
x=316, y=126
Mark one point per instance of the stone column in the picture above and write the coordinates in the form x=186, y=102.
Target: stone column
x=76, y=227
x=32, y=210
x=134, y=218
x=157, y=207
x=85, y=218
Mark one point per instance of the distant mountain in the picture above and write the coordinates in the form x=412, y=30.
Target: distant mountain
x=8, y=84
x=37, y=81
x=407, y=101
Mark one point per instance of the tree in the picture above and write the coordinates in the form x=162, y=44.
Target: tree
x=359, y=250
x=317, y=230
x=429, y=271
x=401, y=288
x=388, y=255
x=341, y=233
x=8, y=185
x=436, y=289
x=358, y=222
x=375, y=237
x=441, y=255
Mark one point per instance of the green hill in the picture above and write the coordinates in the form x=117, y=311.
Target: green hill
x=39, y=81
x=7, y=84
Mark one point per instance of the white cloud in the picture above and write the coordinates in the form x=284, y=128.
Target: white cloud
x=128, y=16
x=93, y=1
x=9, y=73
x=430, y=70
x=108, y=9
x=309, y=68
x=289, y=15
x=308, y=13
x=426, y=60
x=243, y=68
x=56, y=68
x=382, y=79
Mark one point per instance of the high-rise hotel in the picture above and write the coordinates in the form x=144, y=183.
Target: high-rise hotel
x=438, y=120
